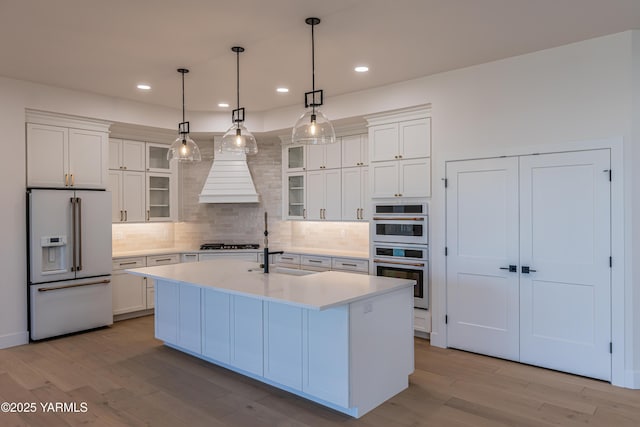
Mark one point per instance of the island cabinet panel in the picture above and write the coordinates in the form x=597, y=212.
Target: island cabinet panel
x=246, y=334
x=381, y=351
x=216, y=325
x=166, y=317
x=325, y=360
x=283, y=344
x=189, y=320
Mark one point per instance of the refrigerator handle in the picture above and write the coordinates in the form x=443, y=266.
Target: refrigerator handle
x=73, y=233
x=79, y=202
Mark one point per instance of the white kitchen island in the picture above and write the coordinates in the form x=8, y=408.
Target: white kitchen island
x=340, y=339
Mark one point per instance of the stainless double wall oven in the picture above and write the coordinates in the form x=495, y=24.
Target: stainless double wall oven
x=400, y=245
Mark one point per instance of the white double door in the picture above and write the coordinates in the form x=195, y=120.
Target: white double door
x=528, y=265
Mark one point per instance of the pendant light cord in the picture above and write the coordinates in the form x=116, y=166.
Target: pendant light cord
x=183, y=115
x=238, y=79
x=313, y=69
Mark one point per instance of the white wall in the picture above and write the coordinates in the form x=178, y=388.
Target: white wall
x=584, y=91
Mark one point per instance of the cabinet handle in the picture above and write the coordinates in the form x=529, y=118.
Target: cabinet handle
x=125, y=216
x=304, y=213
x=163, y=260
x=73, y=181
x=315, y=261
x=128, y=263
x=358, y=213
x=400, y=195
x=124, y=167
x=348, y=265
x=121, y=216
x=66, y=180
x=148, y=215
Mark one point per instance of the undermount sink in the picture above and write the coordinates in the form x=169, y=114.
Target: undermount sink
x=284, y=270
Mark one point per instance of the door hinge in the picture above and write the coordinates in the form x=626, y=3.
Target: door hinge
x=611, y=347
x=610, y=262
x=446, y=319
x=446, y=251
x=446, y=183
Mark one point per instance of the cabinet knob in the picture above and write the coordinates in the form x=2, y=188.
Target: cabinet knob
x=399, y=156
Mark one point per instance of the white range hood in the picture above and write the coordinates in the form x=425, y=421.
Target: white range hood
x=229, y=180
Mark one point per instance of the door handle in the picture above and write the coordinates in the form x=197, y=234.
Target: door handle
x=512, y=268
x=73, y=233
x=79, y=203
x=526, y=269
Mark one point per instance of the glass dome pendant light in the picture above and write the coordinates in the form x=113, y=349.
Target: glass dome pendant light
x=184, y=149
x=313, y=127
x=238, y=139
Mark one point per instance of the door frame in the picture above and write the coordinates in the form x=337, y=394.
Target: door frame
x=621, y=285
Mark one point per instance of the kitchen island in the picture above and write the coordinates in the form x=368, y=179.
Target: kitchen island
x=340, y=339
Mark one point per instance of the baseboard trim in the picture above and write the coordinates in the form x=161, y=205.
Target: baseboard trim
x=13, y=340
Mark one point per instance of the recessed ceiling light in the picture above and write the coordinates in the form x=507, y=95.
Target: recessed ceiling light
x=282, y=90
x=143, y=86
x=361, y=69
x=223, y=105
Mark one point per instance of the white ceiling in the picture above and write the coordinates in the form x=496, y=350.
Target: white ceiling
x=108, y=46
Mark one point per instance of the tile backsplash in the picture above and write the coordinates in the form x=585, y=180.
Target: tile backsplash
x=238, y=222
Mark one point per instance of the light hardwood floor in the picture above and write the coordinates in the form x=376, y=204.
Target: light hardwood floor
x=127, y=378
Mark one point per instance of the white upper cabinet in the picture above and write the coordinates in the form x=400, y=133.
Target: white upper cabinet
x=126, y=155
x=404, y=178
x=402, y=140
x=127, y=196
x=47, y=156
x=65, y=156
x=355, y=194
x=400, y=154
x=324, y=195
x=325, y=156
x=355, y=150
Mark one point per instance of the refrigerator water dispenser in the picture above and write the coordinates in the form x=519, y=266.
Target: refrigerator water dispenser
x=54, y=254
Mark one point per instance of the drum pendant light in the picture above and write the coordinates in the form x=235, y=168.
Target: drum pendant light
x=313, y=127
x=238, y=139
x=184, y=149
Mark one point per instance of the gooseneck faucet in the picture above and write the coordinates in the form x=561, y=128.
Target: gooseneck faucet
x=266, y=252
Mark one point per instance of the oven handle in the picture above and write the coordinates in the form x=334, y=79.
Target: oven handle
x=379, y=218
x=412, y=264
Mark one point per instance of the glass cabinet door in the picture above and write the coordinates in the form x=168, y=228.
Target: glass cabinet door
x=159, y=197
x=157, y=158
x=295, y=161
x=295, y=196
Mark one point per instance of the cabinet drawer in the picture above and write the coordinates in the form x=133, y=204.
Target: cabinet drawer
x=349, y=264
x=288, y=259
x=124, y=263
x=189, y=257
x=319, y=262
x=163, y=259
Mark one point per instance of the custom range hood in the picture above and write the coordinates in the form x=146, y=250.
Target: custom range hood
x=229, y=180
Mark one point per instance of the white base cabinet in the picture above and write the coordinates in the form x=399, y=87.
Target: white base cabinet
x=129, y=292
x=350, y=358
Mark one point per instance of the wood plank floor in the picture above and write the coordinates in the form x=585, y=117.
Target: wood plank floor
x=127, y=378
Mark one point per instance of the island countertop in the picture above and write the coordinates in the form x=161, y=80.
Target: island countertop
x=318, y=291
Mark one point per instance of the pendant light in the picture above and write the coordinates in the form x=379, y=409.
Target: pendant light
x=313, y=127
x=238, y=139
x=184, y=149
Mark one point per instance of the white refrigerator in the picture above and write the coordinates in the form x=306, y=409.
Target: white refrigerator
x=69, y=263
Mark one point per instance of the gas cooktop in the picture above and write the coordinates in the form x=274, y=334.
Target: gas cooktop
x=227, y=246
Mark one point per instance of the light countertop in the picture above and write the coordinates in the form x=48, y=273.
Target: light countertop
x=317, y=291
